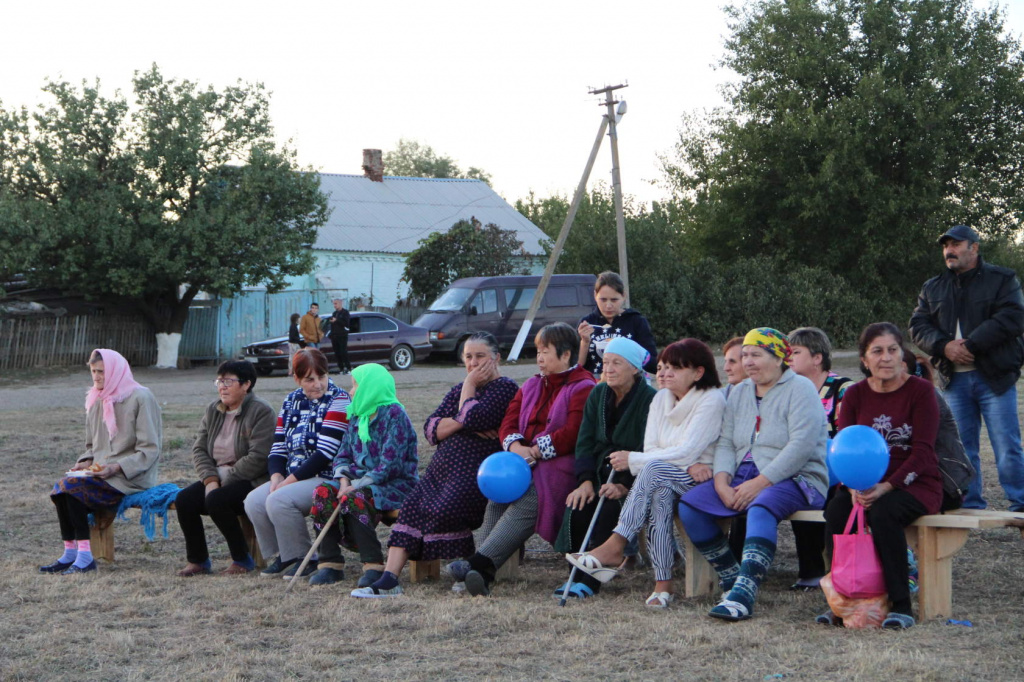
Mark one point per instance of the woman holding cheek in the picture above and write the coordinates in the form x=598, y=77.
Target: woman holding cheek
x=541, y=425
x=769, y=462
x=904, y=410
x=684, y=421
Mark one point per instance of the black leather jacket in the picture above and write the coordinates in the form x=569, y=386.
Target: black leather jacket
x=990, y=306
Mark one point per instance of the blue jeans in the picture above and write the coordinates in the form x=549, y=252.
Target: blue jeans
x=971, y=399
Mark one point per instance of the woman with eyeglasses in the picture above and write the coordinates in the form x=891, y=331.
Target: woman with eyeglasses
x=230, y=458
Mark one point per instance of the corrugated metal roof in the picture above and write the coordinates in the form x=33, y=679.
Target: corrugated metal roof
x=392, y=216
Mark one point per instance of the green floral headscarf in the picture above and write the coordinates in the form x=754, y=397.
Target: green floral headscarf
x=375, y=388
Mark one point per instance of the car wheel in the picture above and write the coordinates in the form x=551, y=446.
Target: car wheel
x=264, y=371
x=459, y=347
x=402, y=357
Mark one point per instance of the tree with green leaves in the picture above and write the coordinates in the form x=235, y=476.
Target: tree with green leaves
x=413, y=159
x=468, y=249
x=150, y=202
x=857, y=132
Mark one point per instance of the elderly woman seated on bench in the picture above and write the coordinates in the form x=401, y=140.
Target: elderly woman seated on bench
x=373, y=472
x=230, y=459
x=122, y=449
x=769, y=462
x=904, y=410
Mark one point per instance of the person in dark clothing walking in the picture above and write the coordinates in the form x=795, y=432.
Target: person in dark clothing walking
x=295, y=341
x=339, y=336
x=969, y=320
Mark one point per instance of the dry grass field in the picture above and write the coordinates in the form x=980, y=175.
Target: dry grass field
x=135, y=620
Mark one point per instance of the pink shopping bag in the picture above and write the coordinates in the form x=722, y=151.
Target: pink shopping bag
x=856, y=568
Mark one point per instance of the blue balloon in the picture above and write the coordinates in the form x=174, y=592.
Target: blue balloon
x=503, y=477
x=832, y=478
x=859, y=456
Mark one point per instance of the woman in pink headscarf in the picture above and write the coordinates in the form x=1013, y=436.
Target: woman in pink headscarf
x=122, y=449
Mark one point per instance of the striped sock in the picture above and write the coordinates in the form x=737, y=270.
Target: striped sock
x=758, y=554
x=717, y=552
x=84, y=557
x=70, y=552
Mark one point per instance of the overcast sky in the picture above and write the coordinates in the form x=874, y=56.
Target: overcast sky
x=501, y=86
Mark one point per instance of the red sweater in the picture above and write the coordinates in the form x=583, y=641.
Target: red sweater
x=556, y=443
x=908, y=418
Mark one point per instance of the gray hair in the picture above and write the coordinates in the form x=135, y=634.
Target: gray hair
x=815, y=341
x=338, y=300
x=487, y=339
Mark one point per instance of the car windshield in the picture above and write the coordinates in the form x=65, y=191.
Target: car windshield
x=451, y=301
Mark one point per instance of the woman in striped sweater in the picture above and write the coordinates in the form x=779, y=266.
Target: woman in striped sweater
x=309, y=430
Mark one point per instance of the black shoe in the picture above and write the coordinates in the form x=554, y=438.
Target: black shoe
x=369, y=577
x=476, y=584
x=276, y=568
x=55, y=567
x=91, y=566
x=310, y=569
x=326, y=576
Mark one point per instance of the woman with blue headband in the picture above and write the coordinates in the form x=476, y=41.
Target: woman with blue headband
x=614, y=422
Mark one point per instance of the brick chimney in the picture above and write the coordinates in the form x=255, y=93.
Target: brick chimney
x=373, y=165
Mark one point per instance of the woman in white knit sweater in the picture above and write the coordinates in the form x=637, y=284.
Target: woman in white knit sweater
x=683, y=424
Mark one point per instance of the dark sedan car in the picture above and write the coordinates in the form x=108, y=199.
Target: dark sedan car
x=373, y=337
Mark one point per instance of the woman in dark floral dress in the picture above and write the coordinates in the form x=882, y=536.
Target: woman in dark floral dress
x=437, y=520
x=373, y=472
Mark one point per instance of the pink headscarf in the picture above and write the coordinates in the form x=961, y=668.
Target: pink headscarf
x=118, y=384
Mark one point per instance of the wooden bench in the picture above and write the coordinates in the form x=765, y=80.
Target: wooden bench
x=102, y=536
x=935, y=540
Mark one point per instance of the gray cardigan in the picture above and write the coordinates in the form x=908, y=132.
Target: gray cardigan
x=793, y=431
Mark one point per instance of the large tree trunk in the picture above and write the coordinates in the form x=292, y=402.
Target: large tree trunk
x=168, y=315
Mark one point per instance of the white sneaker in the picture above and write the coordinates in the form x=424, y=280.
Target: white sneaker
x=374, y=593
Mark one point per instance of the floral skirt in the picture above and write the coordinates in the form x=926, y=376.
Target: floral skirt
x=358, y=503
x=94, y=493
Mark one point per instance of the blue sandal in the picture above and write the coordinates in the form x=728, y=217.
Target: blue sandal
x=898, y=621
x=576, y=590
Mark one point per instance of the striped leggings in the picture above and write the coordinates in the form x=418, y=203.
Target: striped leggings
x=652, y=502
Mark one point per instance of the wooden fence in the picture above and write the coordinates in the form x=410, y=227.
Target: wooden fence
x=66, y=341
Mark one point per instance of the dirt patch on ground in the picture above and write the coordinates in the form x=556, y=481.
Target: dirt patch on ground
x=135, y=620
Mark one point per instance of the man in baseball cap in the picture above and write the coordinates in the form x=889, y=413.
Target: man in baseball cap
x=970, y=320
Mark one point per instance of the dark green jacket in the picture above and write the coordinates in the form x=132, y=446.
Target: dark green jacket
x=593, y=444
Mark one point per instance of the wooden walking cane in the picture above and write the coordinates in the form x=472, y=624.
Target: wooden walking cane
x=316, y=543
x=586, y=539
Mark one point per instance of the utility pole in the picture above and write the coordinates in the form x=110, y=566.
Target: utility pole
x=607, y=124
x=620, y=221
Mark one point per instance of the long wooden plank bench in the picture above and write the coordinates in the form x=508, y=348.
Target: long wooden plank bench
x=935, y=540
x=102, y=536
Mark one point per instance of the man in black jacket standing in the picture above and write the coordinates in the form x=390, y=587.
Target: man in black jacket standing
x=970, y=320
x=339, y=336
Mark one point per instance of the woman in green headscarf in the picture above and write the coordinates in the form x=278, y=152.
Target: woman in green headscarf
x=374, y=470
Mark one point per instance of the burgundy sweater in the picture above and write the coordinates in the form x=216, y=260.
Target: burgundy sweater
x=908, y=419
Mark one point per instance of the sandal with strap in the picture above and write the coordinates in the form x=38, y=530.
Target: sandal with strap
x=730, y=610
x=578, y=591
x=829, y=618
x=659, y=600
x=590, y=565
x=898, y=621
